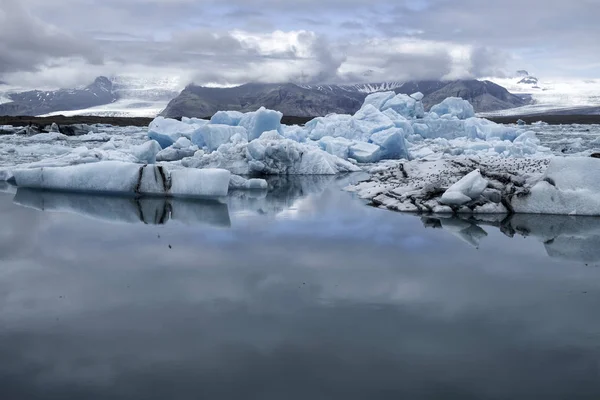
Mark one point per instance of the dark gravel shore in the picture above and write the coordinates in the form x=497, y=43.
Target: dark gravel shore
x=62, y=120
x=122, y=121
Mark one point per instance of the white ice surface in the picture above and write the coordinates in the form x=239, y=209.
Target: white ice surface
x=571, y=186
x=126, y=178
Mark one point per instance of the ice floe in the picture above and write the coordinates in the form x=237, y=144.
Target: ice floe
x=126, y=179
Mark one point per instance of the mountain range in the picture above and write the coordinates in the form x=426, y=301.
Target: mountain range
x=38, y=102
x=130, y=96
x=317, y=100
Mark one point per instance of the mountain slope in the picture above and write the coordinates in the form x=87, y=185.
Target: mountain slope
x=290, y=99
x=485, y=96
x=318, y=100
x=37, y=102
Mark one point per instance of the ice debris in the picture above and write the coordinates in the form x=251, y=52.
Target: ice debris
x=466, y=190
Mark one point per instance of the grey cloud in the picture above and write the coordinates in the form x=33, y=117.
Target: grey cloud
x=488, y=62
x=427, y=66
x=551, y=34
x=352, y=25
x=27, y=42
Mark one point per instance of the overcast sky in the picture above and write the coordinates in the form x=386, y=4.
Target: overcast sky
x=67, y=42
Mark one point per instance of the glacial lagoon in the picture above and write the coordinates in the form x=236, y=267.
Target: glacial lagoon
x=298, y=292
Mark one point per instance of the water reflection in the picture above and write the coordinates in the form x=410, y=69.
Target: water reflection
x=571, y=238
x=152, y=211
x=283, y=194
x=343, y=301
x=6, y=187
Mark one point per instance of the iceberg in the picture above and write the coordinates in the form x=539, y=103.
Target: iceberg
x=271, y=154
x=167, y=131
x=337, y=146
x=405, y=106
x=467, y=189
x=261, y=121
x=570, y=186
x=379, y=99
x=147, y=152
x=114, y=177
x=6, y=175
x=231, y=118
x=173, y=154
x=454, y=107
x=391, y=143
x=212, y=136
x=364, y=152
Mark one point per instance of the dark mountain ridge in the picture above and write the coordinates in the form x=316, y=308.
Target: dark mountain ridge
x=319, y=100
x=38, y=102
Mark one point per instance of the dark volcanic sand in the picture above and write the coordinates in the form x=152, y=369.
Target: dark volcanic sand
x=288, y=120
x=116, y=121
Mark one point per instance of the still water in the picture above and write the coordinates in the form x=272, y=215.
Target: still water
x=300, y=293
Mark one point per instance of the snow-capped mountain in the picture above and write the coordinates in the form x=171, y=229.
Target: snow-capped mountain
x=367, y=88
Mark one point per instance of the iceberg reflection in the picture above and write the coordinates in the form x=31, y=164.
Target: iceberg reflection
x=571, y=238
x=151, y=211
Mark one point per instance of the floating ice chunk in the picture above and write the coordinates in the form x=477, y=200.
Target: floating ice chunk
x=465, y=190
x=182, y=143
x=231, y=118
x=146, y=153
x=400, y=122
x=405, y=106
x=212, y=135
x=189, y=182
x=48, y=137
x=125, y=178
x=54, y=128
x=479, y=128
x=339, y=146
x=455, y=107
x=229, y=156
x=571, y=186
x=272, y=154
x=167, y=131
x=378, y=99
x=432, y=128
x=5, y=175
x=194, y=121
x=238, y=182
x=364, y=152
x=295, y=132
x=263, y=120
x=417, y=96
x=392, y=144
x=366, y=122
x=175, y=154
x=334, y=125
x=455, y=198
